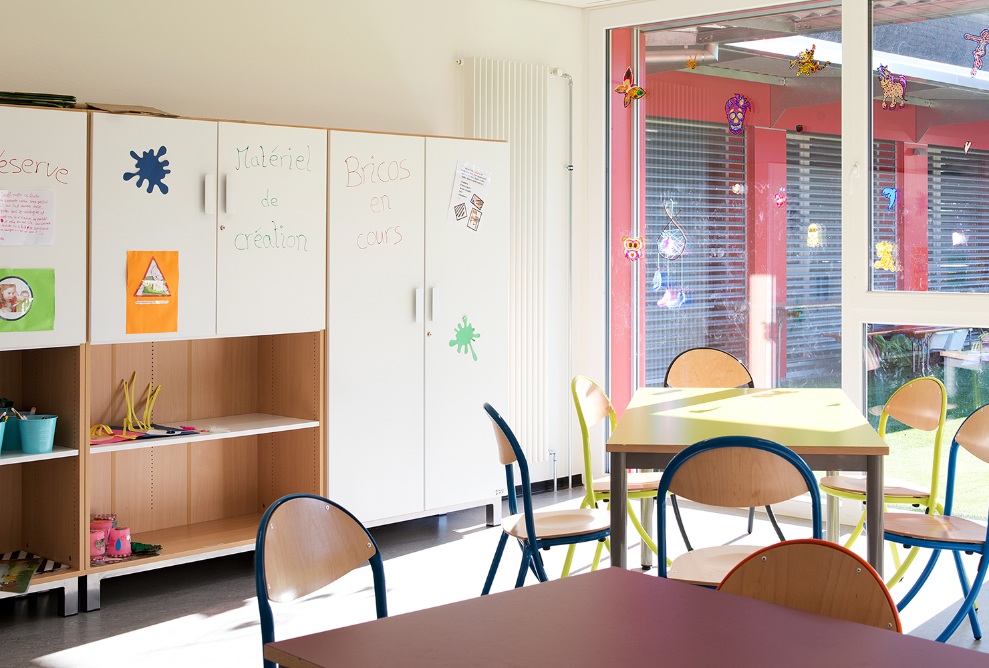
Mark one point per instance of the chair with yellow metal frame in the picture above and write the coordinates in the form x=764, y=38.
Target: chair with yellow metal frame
x=593, y=406
x=921, y=403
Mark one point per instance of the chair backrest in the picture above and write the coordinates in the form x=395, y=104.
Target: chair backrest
x=509, y=453
x=707, y=367
x=736, y=471
x=593, y=406
x=304, y=543
x=921, y=403
x=816, y=576
x=973, y=436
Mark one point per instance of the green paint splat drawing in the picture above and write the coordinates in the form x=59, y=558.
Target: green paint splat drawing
x=465, y=337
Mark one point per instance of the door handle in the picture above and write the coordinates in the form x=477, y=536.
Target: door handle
x=209, y=205
x=418, y=307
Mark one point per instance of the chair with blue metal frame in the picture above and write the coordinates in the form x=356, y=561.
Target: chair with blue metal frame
x=948, y=532
x=710, y=367
x=304, y=543
x=541, y=530
x=922, y=404
x=730, y=472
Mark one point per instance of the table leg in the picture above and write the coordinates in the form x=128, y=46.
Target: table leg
x=619, y=497
x=833, y=519
x=874, y=511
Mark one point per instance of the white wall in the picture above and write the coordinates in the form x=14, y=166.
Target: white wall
x=381, y=65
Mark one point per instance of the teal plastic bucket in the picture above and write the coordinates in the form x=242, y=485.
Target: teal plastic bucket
x=37, y=433
x=11, y=435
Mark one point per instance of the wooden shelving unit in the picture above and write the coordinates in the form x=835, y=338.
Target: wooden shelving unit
x=202, y=495
x=42, y=495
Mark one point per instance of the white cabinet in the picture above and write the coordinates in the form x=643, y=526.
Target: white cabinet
x=42, y=228
x=271, y=242
x=408, y=286
x=249, y=268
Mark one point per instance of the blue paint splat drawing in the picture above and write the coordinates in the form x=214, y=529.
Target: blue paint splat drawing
x=150, y=168
x=464, y=338
x=890, y=194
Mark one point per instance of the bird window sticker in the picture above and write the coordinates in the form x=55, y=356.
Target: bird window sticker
x=26, y=218
x=470, y=191
x=27, y=300
x=152, y=291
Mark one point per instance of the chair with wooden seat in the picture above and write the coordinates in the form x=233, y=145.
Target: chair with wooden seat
x=948, y=532
x=921, y=403
x=593, y=406
x=710, y=367
x=730, y=472
x=304, y=543
x=816, y=576
x=541, y=530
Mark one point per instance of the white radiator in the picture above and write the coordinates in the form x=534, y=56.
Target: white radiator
x=506, y=100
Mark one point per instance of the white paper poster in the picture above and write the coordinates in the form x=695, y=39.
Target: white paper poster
x=470, y=190
x=26, y=218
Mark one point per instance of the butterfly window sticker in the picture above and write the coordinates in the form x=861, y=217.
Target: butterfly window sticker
x=629, y=89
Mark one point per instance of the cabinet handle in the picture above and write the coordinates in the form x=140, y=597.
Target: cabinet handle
x=209, y=205
x=418, y=305
x=432, y=304
x=229, y=201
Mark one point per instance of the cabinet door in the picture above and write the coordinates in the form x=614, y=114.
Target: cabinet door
x=140, y=203
x=43, y=227
x=467, y=277
x=375, y=334
x=271, y=242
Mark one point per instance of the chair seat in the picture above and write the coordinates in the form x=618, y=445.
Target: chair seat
x=559, y=523
x=856, y=485
x=638, y=481
x=709, y=565
x=934, y=527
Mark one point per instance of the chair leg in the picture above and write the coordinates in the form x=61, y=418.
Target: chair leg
x=966, y=591
x=568, y=561
x=646, y=538
x=537, y=561
x=772, y=520
x=494, y=563
x=928, y=569
x=901, y=568
x=751, y=519
x=524, y=566
x=597, y=555
x=969, y=602
x=676, y=513
x=856, y=532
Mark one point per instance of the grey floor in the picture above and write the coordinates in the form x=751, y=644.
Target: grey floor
x=206, y=613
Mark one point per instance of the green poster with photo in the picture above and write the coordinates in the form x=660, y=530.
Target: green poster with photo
x=27, y=300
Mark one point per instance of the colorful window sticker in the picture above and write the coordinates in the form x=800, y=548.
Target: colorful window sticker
x=152, y=291
x=27, y=300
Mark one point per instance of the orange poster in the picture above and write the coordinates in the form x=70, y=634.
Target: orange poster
x=152, y=291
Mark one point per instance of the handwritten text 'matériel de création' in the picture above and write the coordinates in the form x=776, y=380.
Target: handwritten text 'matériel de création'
x=289, y=159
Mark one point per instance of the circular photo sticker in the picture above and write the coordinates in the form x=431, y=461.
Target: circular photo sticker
x=16, y=297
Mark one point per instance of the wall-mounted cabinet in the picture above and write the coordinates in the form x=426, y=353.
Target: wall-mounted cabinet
x=418, y=301
x=253, y=262
x=259, y=400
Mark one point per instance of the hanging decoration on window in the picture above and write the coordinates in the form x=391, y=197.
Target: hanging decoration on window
x=629, y=89
x=959, y=238
x=673, y=298
x=894, y=87
x=806, y=64
x=735, y=108
x=633, y=247
x=672, y=240
x=780, y=198
x=886, y=252
x=890, y=194
x=981, y=41
x=692, y=62
x=968, y=145
x=815, y=235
